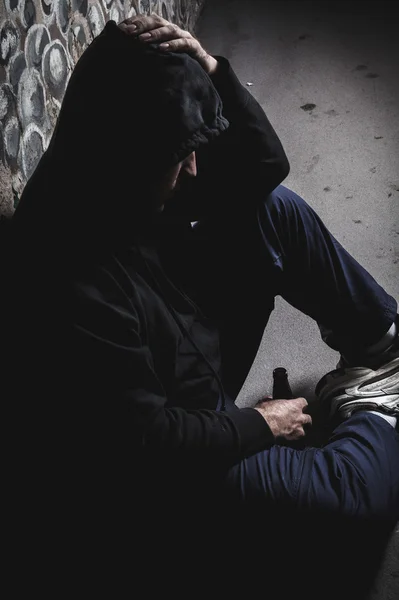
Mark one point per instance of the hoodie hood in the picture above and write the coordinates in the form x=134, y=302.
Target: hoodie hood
x=129, y=111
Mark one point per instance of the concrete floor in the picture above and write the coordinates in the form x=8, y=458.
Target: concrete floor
x=344, y=154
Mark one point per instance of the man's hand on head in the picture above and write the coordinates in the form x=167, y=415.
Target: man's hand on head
x=285, y=418
x=170, y=37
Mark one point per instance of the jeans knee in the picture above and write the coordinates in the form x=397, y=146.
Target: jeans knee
x=354, y=489
x=283, y=208
x=282, y=197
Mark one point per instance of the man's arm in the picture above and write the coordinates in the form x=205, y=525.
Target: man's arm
x=115, y=366
x=251, y=136
x=245, y=162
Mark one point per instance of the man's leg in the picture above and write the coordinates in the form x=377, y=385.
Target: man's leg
x=315, y=520
x=356, y=474
x=320, y=278
x=283, y=248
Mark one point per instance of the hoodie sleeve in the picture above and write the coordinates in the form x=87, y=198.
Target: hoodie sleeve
x=245, y=161
x=114, y=366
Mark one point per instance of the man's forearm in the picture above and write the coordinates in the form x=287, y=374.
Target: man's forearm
x=246, y=159
x=208, y=63
x=245, y=114
x=250, y=150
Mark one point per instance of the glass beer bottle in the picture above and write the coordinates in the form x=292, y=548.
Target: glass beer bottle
x=281, y=387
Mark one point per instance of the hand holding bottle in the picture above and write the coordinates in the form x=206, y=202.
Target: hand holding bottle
x=285, y=418
x=284, y=413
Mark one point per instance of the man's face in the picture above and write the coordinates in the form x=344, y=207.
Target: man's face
x=173, y=180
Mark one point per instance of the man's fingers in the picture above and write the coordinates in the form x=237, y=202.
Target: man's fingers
x=168, y=36
x=297, y=434
x=165, y=33
x=158, y=30
x=302, y=401
x=307, y=420
x=182, y=45
x=141, y=23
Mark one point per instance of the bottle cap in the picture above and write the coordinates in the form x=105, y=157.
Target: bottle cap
x=279, y=371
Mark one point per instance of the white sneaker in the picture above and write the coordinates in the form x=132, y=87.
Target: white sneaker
x=349, y=389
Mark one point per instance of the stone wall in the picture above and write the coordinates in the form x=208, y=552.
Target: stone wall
x=40, y=41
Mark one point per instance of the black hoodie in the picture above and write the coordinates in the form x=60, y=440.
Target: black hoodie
x=107, y=349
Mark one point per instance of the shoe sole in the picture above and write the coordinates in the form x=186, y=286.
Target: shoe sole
x=348, y=390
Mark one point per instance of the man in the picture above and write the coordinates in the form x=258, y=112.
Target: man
x=133, y=331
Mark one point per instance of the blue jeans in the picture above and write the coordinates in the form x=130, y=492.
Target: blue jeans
x=283, y=248
x=356, y=474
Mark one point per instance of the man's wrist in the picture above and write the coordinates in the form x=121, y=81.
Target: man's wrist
x=211, y=65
